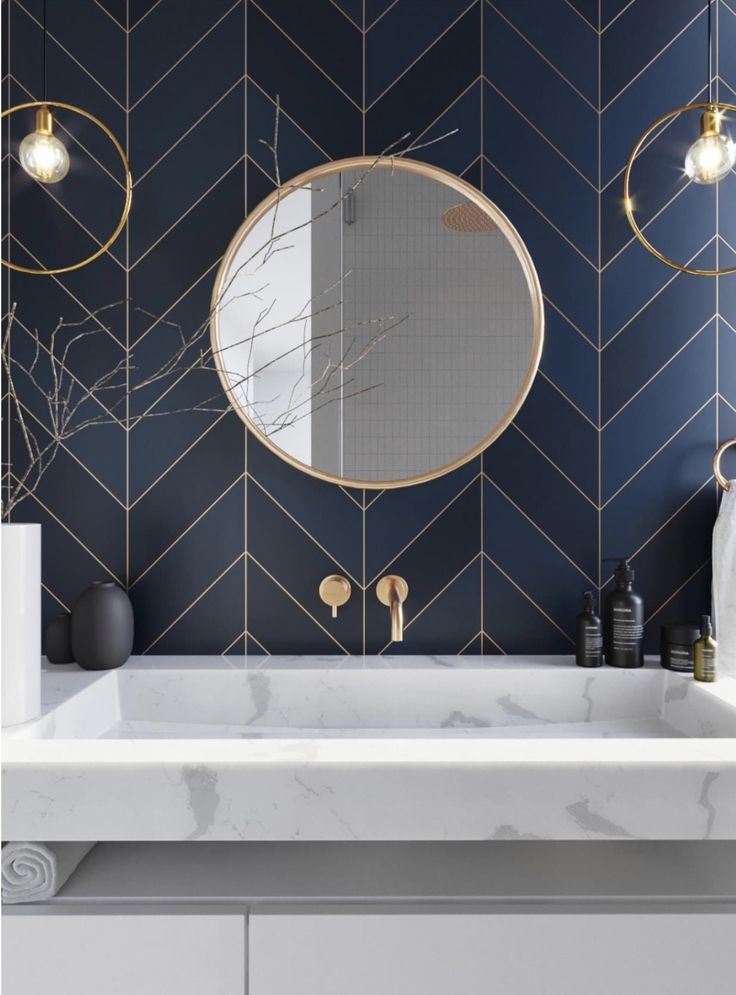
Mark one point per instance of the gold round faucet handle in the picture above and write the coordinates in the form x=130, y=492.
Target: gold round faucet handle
x=335, y=591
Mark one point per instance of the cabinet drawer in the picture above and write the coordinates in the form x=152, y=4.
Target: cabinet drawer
x=523, y=954
x=123, y=954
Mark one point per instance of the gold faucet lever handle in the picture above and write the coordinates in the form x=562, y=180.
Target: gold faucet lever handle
x=335, y=591
x=393, y=591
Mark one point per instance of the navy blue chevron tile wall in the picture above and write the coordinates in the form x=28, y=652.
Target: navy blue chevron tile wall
x=661, y=366
x=222, y=545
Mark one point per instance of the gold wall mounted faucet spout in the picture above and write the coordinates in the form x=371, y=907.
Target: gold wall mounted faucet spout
x=392, y=591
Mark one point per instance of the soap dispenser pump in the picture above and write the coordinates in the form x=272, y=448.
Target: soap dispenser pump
x=589, y=635
x=624, y=620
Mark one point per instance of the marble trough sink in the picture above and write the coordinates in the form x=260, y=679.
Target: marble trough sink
x=423, y=748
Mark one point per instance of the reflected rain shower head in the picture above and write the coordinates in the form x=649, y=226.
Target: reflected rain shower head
x=469, y=218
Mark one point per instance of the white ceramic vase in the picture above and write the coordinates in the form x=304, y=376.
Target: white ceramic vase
x=20, y=552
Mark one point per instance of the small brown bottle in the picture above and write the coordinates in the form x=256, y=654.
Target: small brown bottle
x=705, y=652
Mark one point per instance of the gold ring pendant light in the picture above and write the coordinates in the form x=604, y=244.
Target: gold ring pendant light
x=46, y=160
x=709, y=160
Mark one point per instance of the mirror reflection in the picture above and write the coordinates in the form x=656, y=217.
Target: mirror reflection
x=377, y=322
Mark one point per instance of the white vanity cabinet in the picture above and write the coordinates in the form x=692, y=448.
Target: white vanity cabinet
x=122, y=954
x=366, y=951
x=513, y=954
x=456, y=918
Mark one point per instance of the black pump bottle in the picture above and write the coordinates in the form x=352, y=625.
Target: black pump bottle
x=624, y=621
x=589, y=635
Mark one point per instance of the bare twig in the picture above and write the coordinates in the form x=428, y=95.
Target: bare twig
x=70, y=406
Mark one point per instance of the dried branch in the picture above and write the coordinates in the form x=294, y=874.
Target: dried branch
x=46, y=377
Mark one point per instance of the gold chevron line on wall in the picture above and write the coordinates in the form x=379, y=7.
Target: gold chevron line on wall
x=56, y=598
x=114, y=20
x=490, y=639
x=306, y=531
x=541, y=134
x=139, y=179
x=186, y=54
x=65, y=449
x=443, y=590
x=538, y=528
x=419, y=58
x=295, y=600
x=654, y=296
x=543, y=57
x=654, y=376
x=421, y=532
x=478, y=635
x=163, y=315
x=177, y=539
x=381, y=15
x=66, y=51
x=44, y=187
x=674, y=594
x=191, y=604
x=60, y=282
x=552, y=463
x=541, y=213
x=188, y=211
x=569, y=400
x=179, y=458
x=346, y=16
x=73, y=535
x=529, y=598
x=306, y=55
x=660, y=528
x=670, y=43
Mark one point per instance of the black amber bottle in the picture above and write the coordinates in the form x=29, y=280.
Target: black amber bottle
x=589, y=635
x=624, y=621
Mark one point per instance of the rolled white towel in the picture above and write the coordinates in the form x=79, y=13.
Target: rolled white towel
x=34, y=872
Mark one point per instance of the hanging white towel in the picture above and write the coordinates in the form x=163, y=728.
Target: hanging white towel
x=34, y=872
x=724, y=581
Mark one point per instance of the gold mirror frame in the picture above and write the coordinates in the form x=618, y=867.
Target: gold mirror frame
x=465, y=190
x=628, y=206
x=128, y=188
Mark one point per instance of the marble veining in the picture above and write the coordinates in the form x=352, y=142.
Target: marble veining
x=424, y=748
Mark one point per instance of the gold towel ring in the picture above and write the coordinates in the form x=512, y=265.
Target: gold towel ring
x=717, y=464
x=128, y=188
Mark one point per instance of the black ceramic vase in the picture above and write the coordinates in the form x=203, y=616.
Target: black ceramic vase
x=57, y=640
x=102, y=627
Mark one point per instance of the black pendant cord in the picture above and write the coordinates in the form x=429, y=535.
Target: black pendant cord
x=44, y=51
x=710, y=51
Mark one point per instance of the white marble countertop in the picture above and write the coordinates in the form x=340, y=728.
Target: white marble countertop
x=425, y=748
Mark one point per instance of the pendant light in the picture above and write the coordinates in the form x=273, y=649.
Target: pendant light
x=710, y=159
x=44, y=157
x=712, y=156
x=41, y=154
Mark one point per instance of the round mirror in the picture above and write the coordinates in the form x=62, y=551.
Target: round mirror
x=377, y=323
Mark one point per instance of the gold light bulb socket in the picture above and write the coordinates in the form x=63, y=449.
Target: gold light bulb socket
x=44, y=121
x=710, y=123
